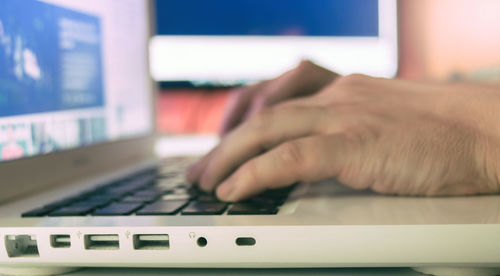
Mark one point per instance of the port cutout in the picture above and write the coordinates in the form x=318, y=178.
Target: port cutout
x=245, y=241
x=21, y=246
x=60, y=241
x=151, y=242
x=201, y=242
x=102, y=242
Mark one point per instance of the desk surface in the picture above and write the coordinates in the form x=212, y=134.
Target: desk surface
x=252, y=272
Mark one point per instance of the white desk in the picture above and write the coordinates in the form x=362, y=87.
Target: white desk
x=246, y=272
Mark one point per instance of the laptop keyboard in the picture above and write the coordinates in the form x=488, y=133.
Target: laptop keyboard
x=160, y=191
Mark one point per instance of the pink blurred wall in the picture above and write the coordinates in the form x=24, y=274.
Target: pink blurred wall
x=438, y=37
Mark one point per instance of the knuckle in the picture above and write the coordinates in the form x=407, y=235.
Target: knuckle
x=351, y=80
x=249, y=173
x=261, y=99
x=291, y=154
x=262, y=120
x=305, y=66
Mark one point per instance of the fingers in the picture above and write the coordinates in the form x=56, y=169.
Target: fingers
x=307, y=159
x=259, y=134
x=238, y=106
x=194, y=171
x=306, y=79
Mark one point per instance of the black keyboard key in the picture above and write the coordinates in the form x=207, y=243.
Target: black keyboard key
x=204, y=208
x=278, y=193
x=186, y=191
x=183, y=184
x=149, y=193
x=39, y=212
x=117, y=191
x=139, y=182
x=162, y=208
x=259, y=200
x=168, y=174
x=102, y=197
x=251, y=209
x=207, y=198
x=92, y=203
x=72, y=211
x=63, y=202
x=89, y=193
x=117, y=209
x=139, y=199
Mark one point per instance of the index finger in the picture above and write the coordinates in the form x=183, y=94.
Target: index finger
x=261, y=133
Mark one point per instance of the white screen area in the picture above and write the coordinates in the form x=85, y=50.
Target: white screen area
x=72, y=73
x=235, y=58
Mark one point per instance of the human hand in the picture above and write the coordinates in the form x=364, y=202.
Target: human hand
x=305, y=79
x=391, y=136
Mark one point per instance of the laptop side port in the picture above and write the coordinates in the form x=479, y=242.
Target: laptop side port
x=60, y=241
x=201, y=242
x=245, y=241
x=102, y=242
x=21, y=246
x=151, y=242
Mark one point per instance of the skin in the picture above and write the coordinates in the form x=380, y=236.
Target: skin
x=388, y=135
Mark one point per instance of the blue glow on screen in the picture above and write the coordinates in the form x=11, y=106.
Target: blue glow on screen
x=268, y=17
x=50, y=59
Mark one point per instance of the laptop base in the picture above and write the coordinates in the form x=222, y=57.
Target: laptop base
x=436, y=271
x=457, y=271
x=38, y=271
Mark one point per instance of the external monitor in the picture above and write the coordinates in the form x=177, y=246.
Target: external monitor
x=227, y=41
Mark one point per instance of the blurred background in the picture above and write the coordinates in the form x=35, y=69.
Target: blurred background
x=203, y=48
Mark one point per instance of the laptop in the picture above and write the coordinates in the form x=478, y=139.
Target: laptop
x=81, y=185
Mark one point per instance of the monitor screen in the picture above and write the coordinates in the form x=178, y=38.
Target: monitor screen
x=72, y=73
x=268, y=18
x=232, y=41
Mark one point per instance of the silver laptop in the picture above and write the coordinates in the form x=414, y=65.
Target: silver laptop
x=81, y=186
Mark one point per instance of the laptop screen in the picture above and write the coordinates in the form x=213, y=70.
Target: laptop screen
x=72, y=73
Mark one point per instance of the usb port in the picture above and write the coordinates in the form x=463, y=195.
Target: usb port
x=151, y=242
x=60, y=241
x=102, y=242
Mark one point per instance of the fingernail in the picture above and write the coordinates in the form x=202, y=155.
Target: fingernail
x=225, y=190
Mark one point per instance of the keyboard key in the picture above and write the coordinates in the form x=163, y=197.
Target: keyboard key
x=176, y=197
x=39, y=212
x=139, y=199
x=251, y=209
x=162, y=208
x=188, y=191
x=147, y=193
x=266, y=201
x=63, y=202
x=91, y=203
x=72, y=211
x=103, y=197
x=207, y=198
x=204, y=208
x=168, y=174
x=117, y=192
x=141, y=181
x=183, y=184
x=167, y=184
x=117, y=209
